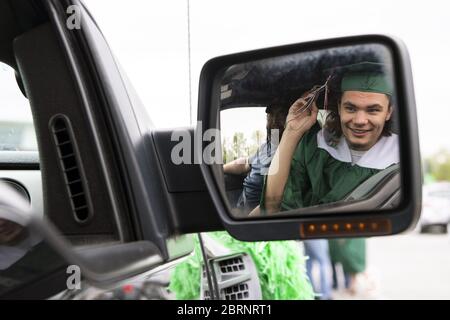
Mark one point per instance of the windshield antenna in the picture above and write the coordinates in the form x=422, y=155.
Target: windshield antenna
x=189, y=61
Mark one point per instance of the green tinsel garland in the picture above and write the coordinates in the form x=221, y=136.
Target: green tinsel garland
x=280, y=265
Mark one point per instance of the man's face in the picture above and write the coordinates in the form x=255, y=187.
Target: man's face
x=363, y=115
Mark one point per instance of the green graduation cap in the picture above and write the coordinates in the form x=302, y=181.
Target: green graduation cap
x=367, y=77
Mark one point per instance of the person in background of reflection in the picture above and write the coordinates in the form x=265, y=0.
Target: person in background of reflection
x=351, y=254
x=258, y=164
x=317, y=251
x=314, y=165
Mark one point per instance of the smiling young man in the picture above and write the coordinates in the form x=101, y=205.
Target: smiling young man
x=363, y=116
x=315, y=165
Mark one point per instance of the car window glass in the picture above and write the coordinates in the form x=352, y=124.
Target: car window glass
x=16, y=123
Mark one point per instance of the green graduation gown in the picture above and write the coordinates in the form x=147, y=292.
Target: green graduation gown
x=318, y=178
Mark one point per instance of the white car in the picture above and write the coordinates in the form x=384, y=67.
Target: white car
x=435, y=207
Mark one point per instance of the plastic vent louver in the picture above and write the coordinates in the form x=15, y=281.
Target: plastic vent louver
x=232, y=265
x=234, y=276
x=236, y=292
x=74, y=177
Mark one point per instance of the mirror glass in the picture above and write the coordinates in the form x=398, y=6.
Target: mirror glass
x=313, y=132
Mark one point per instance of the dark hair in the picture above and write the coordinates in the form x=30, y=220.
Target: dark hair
x=333, y=121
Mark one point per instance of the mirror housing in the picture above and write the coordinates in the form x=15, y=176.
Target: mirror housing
x=318, y=223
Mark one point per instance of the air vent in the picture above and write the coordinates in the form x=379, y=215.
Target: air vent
x=236, y=292
x=70, y=165
x=235, y=277
x=232, y=265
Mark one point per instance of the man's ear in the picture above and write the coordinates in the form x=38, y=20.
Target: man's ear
x=390, y=109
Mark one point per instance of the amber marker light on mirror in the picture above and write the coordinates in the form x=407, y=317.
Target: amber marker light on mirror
x=345, y=228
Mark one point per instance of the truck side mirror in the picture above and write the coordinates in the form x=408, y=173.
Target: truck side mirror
x=327, y=133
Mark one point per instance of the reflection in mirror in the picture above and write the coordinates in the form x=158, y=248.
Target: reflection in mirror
x=15, y=242
x=24, y=256
x=314, y=132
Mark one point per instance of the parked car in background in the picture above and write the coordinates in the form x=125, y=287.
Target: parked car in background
x=435, y=208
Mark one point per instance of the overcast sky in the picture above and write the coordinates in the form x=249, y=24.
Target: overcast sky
x=150, y=40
